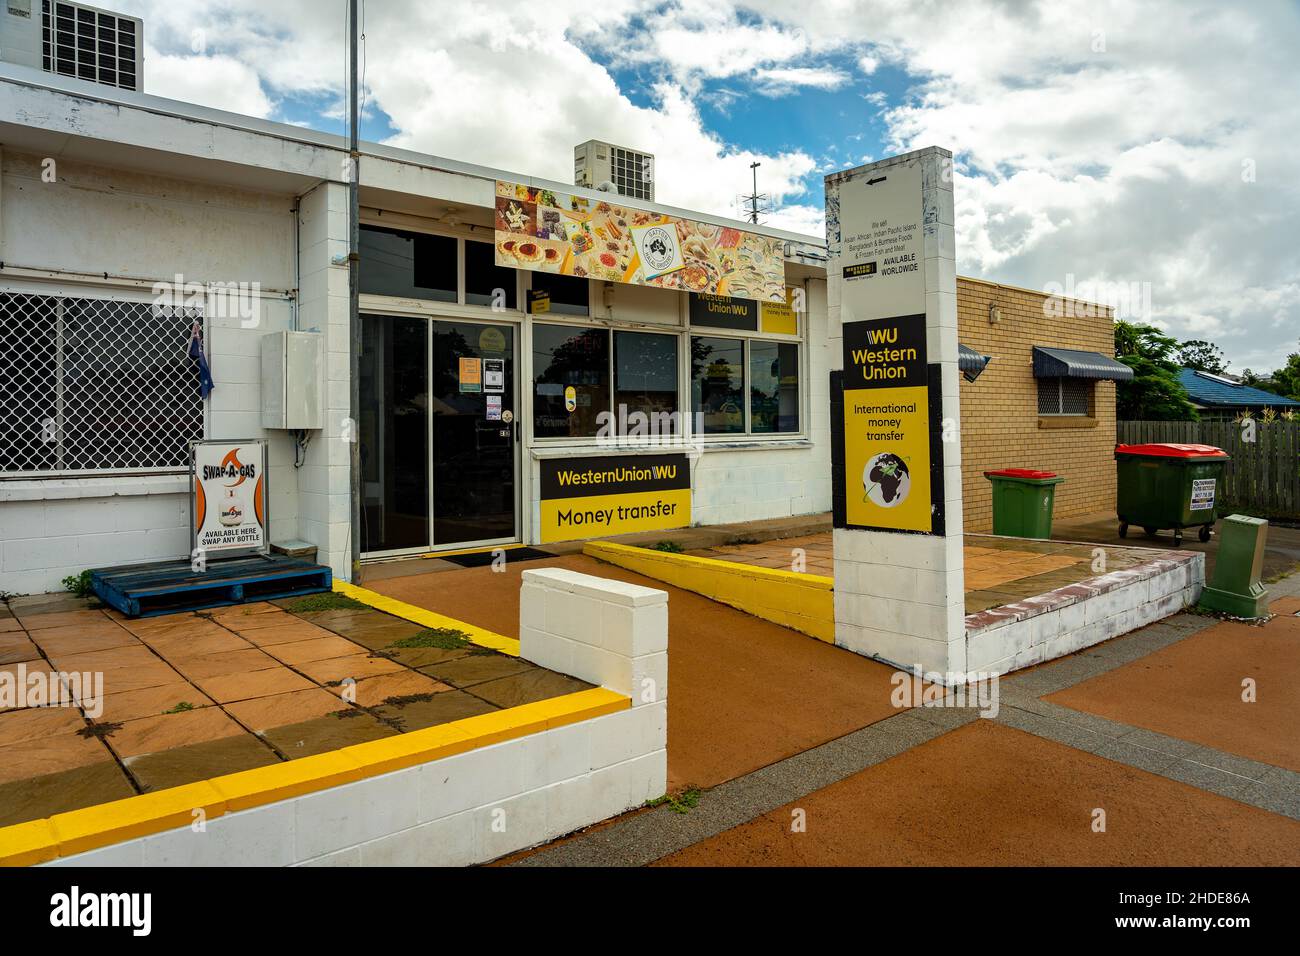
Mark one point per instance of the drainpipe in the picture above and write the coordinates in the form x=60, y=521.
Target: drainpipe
x=354, y=297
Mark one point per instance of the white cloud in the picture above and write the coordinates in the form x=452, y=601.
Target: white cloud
x=783, y=81
x=1099, y=139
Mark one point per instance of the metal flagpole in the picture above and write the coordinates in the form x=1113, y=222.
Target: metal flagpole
x=354, y=294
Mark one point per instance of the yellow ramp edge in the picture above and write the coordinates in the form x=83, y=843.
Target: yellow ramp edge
x=66, y=834
x=801, y=602
x=426, y=618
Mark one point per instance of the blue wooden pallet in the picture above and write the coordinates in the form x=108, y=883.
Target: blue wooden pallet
x=168, y=587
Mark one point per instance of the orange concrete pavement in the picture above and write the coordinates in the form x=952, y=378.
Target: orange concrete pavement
x=987, y=795
x=1194, y=689
x=742, y=693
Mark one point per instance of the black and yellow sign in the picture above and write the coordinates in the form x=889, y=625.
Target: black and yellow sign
x=539, y=301
x=887, y=425
x=860, y=269
x=724, y=312
x=590, y=497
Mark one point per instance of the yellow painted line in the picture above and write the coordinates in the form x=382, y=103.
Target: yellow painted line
x=65, y=834
x=26, y=844
x=426, y=618
x=489, y=548
x=802, y=602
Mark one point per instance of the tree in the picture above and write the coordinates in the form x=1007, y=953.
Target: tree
x=1202, y=356
x=1284, y=381
x=1154, y=394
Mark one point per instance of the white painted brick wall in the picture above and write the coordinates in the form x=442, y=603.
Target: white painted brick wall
x=1044, y=637
x=607, y=632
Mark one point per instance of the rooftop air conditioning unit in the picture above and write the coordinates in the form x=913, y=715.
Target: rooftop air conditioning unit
x=630, y=170
x=73, y=39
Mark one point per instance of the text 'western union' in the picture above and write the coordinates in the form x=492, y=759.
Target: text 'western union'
x=615, y=475
x=885, y=363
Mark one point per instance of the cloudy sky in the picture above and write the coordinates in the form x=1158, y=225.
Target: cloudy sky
x=1143, y=152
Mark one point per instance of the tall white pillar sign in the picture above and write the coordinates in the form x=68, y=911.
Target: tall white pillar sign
x=892, y=290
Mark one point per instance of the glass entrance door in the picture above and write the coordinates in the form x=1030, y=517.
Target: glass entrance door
x=474, y=427
x=438, y=430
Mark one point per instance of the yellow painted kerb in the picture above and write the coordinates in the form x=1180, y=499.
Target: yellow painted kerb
x=65, y=834
x=802, y=602
x=426, y=618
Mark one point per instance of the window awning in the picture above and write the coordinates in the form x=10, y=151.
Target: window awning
x=1073, y=363
x=970, y=363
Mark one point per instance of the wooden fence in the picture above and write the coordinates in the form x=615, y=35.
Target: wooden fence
x=1263, y=477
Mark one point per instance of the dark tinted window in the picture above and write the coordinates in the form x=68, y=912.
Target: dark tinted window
x=645, y=381
x=773, y=387
x=569, y=295
x=408, y=264
x=717, y=374
x=567, y=357
x=483, y=277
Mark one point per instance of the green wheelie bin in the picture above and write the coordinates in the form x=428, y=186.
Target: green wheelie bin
x=1169, y=486
x=1022, y=501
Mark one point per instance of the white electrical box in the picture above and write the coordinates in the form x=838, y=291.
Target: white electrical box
x=292, y=381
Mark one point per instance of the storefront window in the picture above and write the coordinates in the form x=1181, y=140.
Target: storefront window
x=773, y=387
x=717, y=376
x=570, y=380
x=570, y=295
x=408, y=264
x=645, y=381
x=726, y=371
x=484, y=279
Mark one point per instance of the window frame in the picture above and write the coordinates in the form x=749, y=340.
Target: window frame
x=126, y=295
x=610, y=329
x=452, y=309
x=1060, y=412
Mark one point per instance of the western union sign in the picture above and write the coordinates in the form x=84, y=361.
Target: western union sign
x=886, y=425
x=590, y=497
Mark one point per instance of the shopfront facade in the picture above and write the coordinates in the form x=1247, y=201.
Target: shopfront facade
x=485, y=388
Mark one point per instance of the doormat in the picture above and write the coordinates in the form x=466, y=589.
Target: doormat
x=513, y=555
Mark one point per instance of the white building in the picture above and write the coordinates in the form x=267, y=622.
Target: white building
x=109, y=196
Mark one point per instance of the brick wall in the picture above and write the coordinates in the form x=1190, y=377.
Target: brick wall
x=1000, y=425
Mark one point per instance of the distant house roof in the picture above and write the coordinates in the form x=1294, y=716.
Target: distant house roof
x=1215, y=390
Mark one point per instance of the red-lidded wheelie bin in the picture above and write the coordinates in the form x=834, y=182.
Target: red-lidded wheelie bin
x=1163, y=485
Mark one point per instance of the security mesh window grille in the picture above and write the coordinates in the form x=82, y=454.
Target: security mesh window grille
x=88, y=44
x=631, y=175
x=1064, y=396
x=93, y=385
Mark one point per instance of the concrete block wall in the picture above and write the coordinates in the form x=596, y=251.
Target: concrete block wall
x=1077, y=617
x=606, y=632
x=490, y=801
x=324, y=482
x=51, y=528
x=1001, y=427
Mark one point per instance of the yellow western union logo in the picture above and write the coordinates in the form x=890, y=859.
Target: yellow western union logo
x=596, y=496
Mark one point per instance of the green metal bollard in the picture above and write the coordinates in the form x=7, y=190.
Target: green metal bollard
x=1236, y=588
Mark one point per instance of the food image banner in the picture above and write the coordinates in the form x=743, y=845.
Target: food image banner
x=547, y=231
x=887, y=432
x=229, y=504
x=589, y=497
